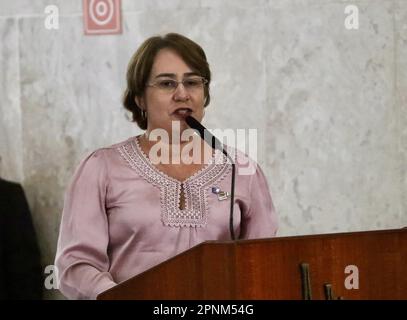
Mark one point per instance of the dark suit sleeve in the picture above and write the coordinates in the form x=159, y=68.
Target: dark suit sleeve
x=21, y=253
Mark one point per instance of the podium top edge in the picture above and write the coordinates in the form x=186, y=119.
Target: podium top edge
x=309, y=236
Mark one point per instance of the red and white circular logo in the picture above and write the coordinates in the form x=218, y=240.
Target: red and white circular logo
x=102, y=16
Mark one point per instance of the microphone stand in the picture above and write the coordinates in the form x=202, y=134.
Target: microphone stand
x=216, y=144
x=232, y=197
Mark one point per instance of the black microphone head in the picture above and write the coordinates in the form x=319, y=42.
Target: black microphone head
x=196, y=125
x=193, y=123
x=204, y=133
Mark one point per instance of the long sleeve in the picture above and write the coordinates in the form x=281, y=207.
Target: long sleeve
x=259, y=220
x=82, y=260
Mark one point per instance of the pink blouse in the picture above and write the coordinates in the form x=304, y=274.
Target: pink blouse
x=121, y=215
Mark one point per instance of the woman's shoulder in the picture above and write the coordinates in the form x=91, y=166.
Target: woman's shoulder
x=100, y=161
x=246, y=163
x=105, y=154
x=117, y=145
x=111, y=149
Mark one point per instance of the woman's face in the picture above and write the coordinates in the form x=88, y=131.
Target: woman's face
x=165, y=107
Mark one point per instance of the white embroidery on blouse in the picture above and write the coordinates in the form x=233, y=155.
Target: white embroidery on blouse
x=196, y=187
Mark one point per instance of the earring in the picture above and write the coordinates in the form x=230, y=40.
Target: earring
x=143, y=114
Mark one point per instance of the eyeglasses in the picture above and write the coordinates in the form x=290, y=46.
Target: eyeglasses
x=170, y=85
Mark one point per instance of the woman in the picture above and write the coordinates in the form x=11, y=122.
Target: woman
x=124, y=211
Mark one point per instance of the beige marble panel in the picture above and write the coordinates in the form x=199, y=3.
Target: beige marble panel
x=11, y=160
x=30, y=7
x=333, y=144
x=401, y=95
x=179, y=5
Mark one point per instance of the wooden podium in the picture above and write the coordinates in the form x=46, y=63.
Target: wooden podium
x=359, y=265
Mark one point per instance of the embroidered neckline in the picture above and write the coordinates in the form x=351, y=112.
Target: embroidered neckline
x=158, y=171
x=195, y=187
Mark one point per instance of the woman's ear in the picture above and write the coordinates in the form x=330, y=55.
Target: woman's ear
x=140, y=102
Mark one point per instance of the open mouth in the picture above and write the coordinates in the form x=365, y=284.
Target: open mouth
x=182, y=112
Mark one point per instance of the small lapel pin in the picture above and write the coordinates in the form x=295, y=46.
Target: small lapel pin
x=215, y=190
x=222, y=195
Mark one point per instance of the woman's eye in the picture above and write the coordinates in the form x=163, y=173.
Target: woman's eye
x=192, y=83
x=167, y=84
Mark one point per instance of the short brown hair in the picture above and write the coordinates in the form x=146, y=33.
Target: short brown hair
x=140, y=65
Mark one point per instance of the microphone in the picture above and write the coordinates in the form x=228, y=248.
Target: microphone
x=216, y=144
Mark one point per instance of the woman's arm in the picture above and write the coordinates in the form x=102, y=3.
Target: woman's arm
x=260, y=218
x=82, y=260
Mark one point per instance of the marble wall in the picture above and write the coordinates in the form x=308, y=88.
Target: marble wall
x=400, y=89
x=329, y=103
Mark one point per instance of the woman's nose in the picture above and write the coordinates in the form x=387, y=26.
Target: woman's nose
x=181, y=93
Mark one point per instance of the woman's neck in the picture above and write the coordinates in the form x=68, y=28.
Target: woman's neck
x=195, y=149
